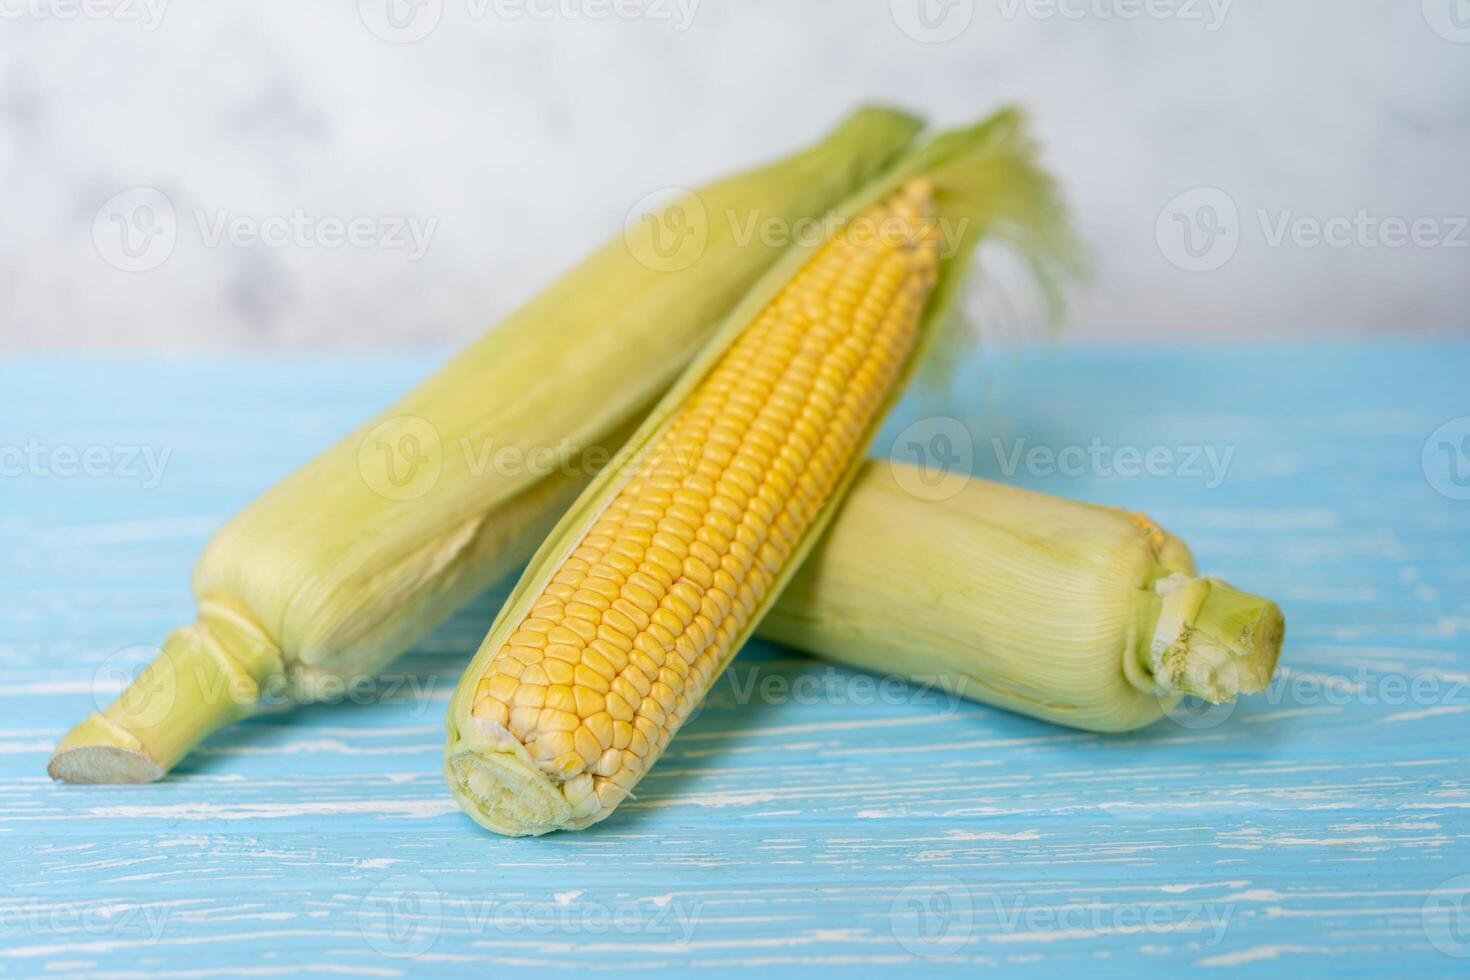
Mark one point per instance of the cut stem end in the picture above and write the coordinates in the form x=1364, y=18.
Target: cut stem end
x=98, y=751
x=499, y=786
x=1211, y=640
x=206, y=676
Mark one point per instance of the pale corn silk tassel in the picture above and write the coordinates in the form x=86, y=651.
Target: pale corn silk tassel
x=646, y=610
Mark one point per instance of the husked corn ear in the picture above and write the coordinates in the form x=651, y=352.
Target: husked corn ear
x=642, y=615
x=983, y=184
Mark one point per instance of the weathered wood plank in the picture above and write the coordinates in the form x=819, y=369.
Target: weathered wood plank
x=809, y=817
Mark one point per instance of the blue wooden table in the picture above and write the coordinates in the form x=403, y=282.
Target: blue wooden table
x=1321, y=828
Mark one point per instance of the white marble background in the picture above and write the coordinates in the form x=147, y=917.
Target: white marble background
x=517, y=133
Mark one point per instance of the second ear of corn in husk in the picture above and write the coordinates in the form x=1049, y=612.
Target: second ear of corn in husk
x=1084, y=615
x=342, y=565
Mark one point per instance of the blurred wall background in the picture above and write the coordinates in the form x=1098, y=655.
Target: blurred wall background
x=1249, y=168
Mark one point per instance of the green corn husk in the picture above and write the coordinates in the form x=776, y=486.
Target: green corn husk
x=987, y=187
x=345, y=563
x=1083, y=615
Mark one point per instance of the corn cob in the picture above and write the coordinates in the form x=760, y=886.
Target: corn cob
x=345, y=563
x=653, y=580
x=640, y=618
x=1083, y=615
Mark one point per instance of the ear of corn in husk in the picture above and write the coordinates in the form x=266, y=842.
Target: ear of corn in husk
x=664, y=566
x=1079, y=614
x=349, y=560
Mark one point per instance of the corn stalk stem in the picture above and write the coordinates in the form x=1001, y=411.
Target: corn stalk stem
x=206, y=676
x=1203, y=637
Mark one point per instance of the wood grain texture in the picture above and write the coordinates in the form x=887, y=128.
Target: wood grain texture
x=810, y=817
